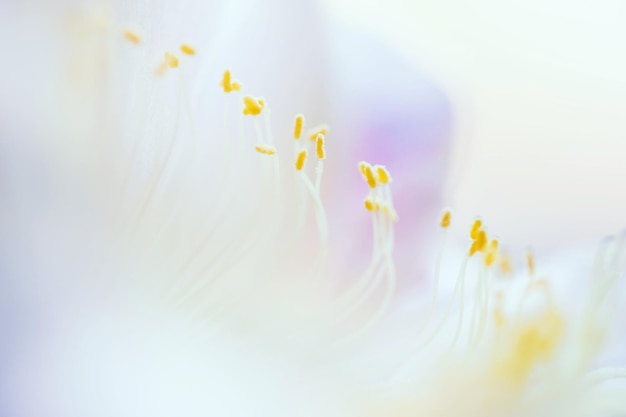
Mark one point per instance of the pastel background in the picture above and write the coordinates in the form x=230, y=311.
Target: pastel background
x=537, y=91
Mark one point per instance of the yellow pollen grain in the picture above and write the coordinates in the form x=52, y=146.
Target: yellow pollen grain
x=362, y=166
x=265, y=149
x=368, y=174
x=298, y=126
x=382, y=174
x=300, y=159
x=369, y=204
x=492, y=253
x=187, y=49
x=319, y=147
x=228, y=84
x=132, y=36
x=171, y=60
x=476, y=227
x=252, y=106
x=479, y=244
x=445, y=219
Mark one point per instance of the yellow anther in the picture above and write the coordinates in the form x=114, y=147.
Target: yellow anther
x=228, y=84
x=369, y=204
x=362, y=166
x=298, y=126
x=319, y=147
x=300, y=159
x=171, y=60
x=382, y=174
x=266, y=149
x=445, y=219
x=530, y=263
x=476, y=227
x=252, y=106
x=505, y=265
x=132, y=36
x=187, y=49
x=320, y=130
x=368, y=174
x=479, y=244
x=492, y=252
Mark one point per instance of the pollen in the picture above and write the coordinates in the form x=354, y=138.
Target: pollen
x=228, y=84
x=171, y=60
x=369, y=204
x=265, y=149
x=492, y=253
x=479, y=244
x=382, y=174
x=298, y=126
x=132, y=36
x=445, y=219
x=252, y=106
x=300, y=160
x=476, y=227
x=320, y=130
x=368, y=174
x=187, y=49
x=319, y=147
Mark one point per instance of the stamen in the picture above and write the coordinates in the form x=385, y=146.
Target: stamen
x=445, y=219
x=319, y=130
x=171, y=60
x=298, y=126
x=476, y=227
x=479, y=244
x=252, y=106
x=492, y=253
x=187, y=49
x=382, y=174
x=228, y=84
x=300, y=159
x=319, y=147
x=132, y=36
x=266, y=149
x=369, y=204
x=368, y=174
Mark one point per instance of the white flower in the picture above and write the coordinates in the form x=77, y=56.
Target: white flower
x=171, y=247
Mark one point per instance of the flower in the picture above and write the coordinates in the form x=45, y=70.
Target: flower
x=178, y=254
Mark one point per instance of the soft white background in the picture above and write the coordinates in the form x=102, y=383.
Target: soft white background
x=538, y=89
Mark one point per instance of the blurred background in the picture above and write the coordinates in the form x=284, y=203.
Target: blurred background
x=537, y=90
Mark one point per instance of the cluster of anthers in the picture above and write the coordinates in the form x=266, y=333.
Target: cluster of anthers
x=530, y=342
